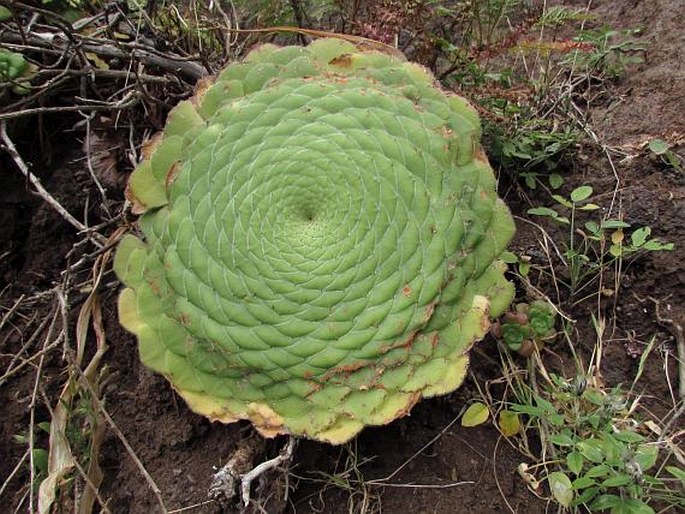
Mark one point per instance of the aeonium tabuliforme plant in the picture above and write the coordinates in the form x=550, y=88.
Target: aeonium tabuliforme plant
x=319, y=242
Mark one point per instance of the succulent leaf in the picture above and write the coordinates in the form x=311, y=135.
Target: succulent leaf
x=542, y=319
x=320, y=242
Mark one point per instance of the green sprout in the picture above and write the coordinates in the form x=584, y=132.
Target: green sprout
x=319, y=242
x=585, y=252
x=662, y=149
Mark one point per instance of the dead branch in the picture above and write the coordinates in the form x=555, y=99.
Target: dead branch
x=56, y=42
x=129, y=101
x=42, y=192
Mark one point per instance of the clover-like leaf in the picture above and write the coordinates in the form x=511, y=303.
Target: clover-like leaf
x=319, y=242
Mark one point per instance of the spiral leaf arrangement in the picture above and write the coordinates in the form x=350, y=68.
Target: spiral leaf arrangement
x=320, y=242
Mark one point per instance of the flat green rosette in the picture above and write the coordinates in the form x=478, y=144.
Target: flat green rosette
x=319, y=245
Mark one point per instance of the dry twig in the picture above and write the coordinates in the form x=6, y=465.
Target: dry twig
x=42, y=192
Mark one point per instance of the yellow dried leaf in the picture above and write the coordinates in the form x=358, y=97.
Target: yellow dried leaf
x=95, y=59
x=475, y=415
x=617, y=237
x=509, y=423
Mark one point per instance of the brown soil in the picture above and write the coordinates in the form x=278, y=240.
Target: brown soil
x=463, y=469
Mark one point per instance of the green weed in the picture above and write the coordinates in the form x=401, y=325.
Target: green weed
x=529, y=148
x=601, y=244
x=661, y=149
x=39, y=455
x=603, y=459
x=611, y=52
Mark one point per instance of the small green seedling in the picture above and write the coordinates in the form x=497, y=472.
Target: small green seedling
x=522, y=262
x=575, y=202
x=661, y=148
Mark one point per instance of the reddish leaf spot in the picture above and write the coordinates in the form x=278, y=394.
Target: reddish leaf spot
x=343, y=61
x=346, y=370
x=154, y=286
x=151, y=145
x=172, y=173
x=428, y=311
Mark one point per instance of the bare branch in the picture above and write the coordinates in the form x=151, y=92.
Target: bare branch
x=147, y=55
x=42, y=192
x=124, y=103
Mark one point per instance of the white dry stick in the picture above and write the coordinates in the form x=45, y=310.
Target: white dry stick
x=680, y=342
x=14, y=472
x=679, y=336
x=249, y=477
x=42, y=192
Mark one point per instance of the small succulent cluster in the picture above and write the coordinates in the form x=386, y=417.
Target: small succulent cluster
x=526, y=327
x=320, y=242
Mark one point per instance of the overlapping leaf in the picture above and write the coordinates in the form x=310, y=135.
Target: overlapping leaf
x=320, y=234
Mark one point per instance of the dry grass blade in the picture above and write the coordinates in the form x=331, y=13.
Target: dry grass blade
x=193, y=507
x=94, y=474
x=14, y=472
x=61, y=459
x=496, y=475
x=129, y=449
